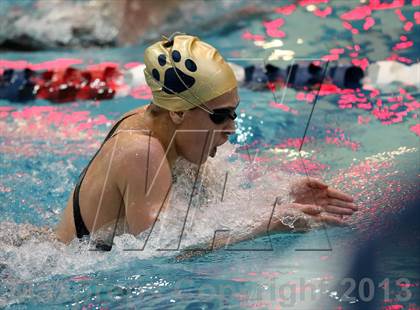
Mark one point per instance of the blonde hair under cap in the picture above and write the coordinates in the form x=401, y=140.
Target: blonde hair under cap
x=184, y=72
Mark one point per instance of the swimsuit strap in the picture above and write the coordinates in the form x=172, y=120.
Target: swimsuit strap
x=81, y=229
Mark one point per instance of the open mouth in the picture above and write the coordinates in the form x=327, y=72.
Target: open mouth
x=213, y=151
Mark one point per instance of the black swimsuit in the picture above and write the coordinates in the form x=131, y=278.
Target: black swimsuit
x=81, y=229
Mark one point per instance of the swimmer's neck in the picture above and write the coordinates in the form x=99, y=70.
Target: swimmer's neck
x=164, y=130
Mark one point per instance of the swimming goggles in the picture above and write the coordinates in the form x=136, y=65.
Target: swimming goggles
x=221, y=115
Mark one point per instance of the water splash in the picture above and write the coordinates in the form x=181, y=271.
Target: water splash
x=30, y=252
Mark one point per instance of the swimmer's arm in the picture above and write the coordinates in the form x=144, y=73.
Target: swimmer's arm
x=275, y=224
x=309, y=214
x=223, y=241
x=144, y=180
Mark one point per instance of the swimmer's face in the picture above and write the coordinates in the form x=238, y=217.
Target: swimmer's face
x=204, y=136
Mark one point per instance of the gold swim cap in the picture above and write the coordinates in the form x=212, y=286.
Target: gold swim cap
x=184, y=72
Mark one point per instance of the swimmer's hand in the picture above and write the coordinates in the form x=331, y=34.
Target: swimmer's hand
x=301, y=217
x=312, y=191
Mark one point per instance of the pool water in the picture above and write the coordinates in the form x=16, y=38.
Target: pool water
x=364, y=142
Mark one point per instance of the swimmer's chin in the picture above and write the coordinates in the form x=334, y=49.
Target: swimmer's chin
x=197, y=161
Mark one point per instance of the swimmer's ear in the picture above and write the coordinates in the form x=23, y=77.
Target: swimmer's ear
x=177, y=117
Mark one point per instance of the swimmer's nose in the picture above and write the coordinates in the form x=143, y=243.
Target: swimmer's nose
x=230, y=127
x=227, y=133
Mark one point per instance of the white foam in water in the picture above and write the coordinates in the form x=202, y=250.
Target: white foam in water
x=244, y=207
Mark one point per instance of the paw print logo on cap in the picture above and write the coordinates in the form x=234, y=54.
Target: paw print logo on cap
x=172, y=83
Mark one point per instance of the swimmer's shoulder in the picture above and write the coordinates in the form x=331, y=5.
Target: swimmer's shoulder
x=138, y=111
x=139, y=159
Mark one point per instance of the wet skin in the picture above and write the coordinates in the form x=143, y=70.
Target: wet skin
x=116, y=179
x=116, y=182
